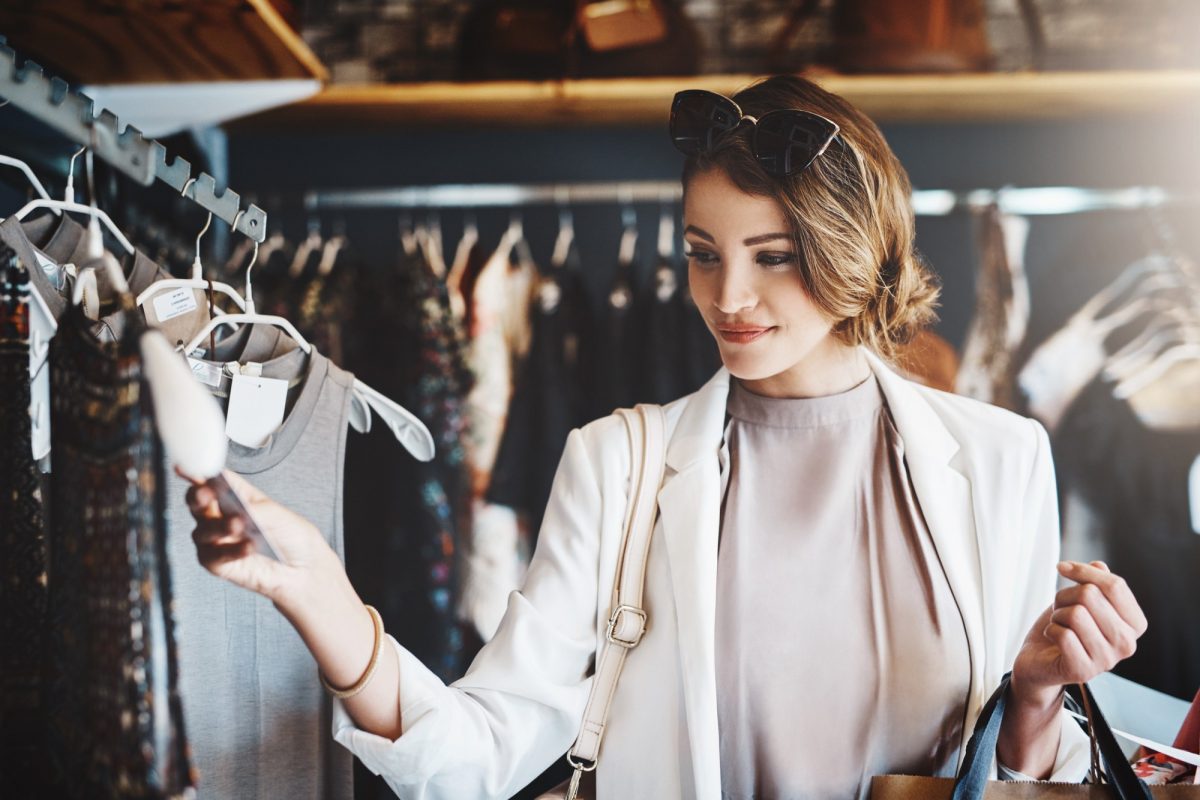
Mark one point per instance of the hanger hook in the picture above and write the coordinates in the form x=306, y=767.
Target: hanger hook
x=249, y=286
x=197, y=269
x=186, y=186
x=70, y=192
x=6, y=102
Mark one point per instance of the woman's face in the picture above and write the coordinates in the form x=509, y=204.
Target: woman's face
x=744, y=274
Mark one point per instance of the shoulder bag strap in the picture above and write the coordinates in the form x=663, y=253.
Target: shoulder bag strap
x=627, y=618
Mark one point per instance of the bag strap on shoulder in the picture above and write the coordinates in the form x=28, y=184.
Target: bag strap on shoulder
x=627, y=619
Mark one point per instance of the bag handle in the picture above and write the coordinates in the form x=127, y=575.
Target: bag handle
x=627, y=619
x=971, y=782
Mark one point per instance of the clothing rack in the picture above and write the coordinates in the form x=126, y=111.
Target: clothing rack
x=1024, y=201
x=52, y=101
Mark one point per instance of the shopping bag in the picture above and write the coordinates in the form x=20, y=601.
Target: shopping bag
x=972, y=780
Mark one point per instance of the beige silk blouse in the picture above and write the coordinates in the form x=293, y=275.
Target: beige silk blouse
x=841, y=652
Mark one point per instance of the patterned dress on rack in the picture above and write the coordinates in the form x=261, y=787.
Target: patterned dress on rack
x=23, y=769
x=402, y=515
x=114, y=713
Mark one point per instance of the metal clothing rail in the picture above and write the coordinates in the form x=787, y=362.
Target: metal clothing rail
x=1023, y=201
x=52, y=101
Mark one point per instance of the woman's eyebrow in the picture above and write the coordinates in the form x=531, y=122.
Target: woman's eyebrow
x=753, y=240
x=766, y=237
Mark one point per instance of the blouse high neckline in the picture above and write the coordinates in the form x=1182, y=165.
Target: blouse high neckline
x=863, y=400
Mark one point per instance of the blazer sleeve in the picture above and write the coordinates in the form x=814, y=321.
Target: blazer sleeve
x=1035, y=580
x=519, y=706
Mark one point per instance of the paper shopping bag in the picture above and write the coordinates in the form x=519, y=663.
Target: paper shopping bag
x=972, y=783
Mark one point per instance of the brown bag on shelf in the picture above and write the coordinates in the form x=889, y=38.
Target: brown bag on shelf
x=617, y=24
x=902, y=36
x=619, y=38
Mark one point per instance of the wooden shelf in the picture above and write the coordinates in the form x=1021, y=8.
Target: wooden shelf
x=645, y=101
x=96, y=43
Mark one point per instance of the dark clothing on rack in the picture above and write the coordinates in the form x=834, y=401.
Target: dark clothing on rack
x=24, y=770
x=402, y=515
x=618, y=349
x=116, y=727
x=550, y=397
x=665, y=337
x=1135, y=481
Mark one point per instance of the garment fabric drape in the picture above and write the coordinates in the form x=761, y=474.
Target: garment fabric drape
x=115, y=719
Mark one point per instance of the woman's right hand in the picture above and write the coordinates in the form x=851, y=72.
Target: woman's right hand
x=226, y=551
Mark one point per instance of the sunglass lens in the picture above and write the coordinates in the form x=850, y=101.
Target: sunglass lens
x=786, y=142
x=698, y=118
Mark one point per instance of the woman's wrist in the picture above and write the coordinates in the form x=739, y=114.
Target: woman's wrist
x=332, y=620
x=1032, y=728
x=1037, y=700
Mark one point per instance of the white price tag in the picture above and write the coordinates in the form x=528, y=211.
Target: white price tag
x=175, y=303
x=208, y=374
x=255, y=409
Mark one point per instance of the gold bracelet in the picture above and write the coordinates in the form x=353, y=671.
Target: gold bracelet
x=361, y=683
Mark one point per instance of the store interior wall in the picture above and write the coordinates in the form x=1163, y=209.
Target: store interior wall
x=1068, y=257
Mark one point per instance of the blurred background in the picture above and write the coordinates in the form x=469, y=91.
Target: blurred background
x=397, y=149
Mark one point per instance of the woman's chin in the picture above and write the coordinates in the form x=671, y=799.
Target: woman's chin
x=747, y=367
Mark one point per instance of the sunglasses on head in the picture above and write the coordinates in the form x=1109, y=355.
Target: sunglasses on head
x=785, y=141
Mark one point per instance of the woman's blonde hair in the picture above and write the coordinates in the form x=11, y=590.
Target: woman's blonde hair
x=850, y=212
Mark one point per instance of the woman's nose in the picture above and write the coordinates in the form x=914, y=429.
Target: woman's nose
x=735, y=291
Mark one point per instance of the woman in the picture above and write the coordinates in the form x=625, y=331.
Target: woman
x=844, y=564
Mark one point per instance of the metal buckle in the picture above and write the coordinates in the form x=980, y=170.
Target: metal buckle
x=612, y=626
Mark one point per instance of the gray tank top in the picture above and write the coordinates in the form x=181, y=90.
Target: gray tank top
x=257, y=717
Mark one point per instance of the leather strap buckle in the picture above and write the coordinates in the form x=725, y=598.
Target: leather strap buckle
x=614, y=623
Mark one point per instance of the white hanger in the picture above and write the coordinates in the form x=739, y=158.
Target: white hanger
x=9, y=161
x=248, y=317
x=517, y=240
x=69, y=204
x=197, y=280
x=306, y=248
x=79, y=208
x=1187, y=350
x=407, y=429
x=566, y=233
x=1161, y=330
x=432, y=245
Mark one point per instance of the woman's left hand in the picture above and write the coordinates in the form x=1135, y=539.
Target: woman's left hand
x=1088, y=630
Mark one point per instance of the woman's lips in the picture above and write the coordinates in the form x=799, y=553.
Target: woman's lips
x=742, y=335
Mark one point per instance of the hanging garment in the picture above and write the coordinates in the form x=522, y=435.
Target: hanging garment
x=987, y=371
x=24, y=769
x=812, y=483
x=402, y=515
x=615, y=381
x=66, y=244
x=325, y=302
x=1133, y=482
x=259, y=717
x=663, y=336
x=115, y=723
x=500, y=334
x=550, y=398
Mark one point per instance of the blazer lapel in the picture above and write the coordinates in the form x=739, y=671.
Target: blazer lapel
x=944, y=495
x=690, y=507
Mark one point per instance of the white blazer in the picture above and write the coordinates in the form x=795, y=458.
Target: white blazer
x=985, y=482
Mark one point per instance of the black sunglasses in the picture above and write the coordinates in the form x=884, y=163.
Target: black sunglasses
x=785, y=141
